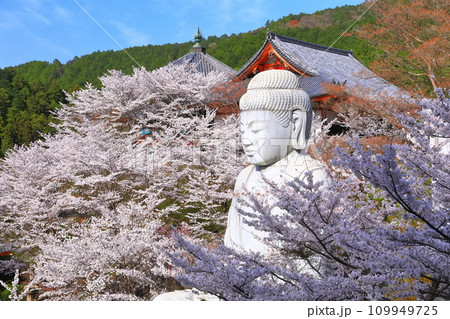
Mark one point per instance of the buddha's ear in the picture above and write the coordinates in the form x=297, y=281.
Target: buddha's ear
x=298, y=129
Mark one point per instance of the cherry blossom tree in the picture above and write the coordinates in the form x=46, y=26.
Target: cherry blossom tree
x=113, y=257
x=100, y=184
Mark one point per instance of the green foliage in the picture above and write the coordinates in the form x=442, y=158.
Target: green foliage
x=26, y=107
x=4, y=293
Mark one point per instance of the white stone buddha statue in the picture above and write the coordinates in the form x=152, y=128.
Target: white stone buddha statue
x=276, y=117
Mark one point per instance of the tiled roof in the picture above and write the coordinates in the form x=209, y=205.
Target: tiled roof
x=204, y=63
x=326, y=65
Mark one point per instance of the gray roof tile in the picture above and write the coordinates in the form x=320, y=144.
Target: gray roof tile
x=326, y=65
x=204, y=63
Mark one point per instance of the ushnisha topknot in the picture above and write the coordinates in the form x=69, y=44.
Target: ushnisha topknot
x=278, y=91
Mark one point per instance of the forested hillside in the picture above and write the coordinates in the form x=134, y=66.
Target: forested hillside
x=26, y=108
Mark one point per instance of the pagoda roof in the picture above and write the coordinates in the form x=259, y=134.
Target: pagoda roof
x=201, y=62
x=319, y=64
x=198, y=61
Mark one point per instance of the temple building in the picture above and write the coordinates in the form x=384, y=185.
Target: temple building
x=317, y=66
x=199, y=61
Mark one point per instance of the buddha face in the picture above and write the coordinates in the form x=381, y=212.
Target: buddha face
x=264, y=139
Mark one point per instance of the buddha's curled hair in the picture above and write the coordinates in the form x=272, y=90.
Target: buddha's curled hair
x=278, y=91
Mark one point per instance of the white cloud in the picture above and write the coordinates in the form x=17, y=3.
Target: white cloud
x=255, y=11
x=34, y=3
x=33, y=10
x=10, y=20
x=19, y=19
x=241, y=12
x=37, y=16
x=130, y=35
x=63, y=14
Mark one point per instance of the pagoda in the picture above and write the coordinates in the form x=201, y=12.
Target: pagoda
x=197, y=60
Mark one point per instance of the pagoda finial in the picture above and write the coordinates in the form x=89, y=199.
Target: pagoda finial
x=197, y=38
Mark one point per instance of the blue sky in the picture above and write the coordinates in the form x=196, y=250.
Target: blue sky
x=48, y=29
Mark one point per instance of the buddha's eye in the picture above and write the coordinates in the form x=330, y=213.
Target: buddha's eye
x=256, y=127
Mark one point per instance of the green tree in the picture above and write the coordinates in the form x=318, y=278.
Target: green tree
x=5, y=102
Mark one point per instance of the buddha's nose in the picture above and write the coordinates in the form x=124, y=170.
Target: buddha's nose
x=246, y=141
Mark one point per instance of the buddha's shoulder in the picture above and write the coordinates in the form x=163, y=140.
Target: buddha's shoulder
x=317, y=169
x=244, y=176
x=312, y=164
x=246, y=172
x=305, y=164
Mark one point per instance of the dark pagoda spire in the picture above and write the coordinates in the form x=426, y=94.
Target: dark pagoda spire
x=197, y=38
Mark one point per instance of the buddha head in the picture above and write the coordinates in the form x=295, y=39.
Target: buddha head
x=276, y=117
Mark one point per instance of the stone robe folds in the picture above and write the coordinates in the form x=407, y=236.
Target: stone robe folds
x=239, y=235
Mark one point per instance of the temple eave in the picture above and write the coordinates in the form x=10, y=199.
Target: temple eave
x=268, y=59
